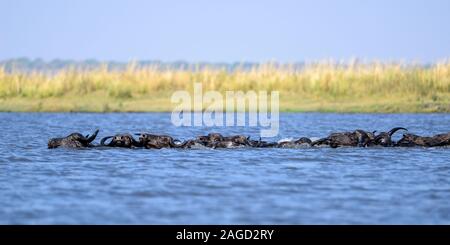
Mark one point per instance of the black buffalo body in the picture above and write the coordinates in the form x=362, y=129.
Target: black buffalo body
x=410, y=140
x=357, y=138
x=74, y=140
x=153, y=141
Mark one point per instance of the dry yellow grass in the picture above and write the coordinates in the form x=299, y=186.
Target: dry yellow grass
x=322, y=86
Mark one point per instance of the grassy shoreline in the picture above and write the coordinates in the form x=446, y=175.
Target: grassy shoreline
x=318, y=87
x=163, y=104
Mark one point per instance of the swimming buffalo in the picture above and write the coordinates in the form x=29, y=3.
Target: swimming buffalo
x=210, y=140
x=359, y=138
x=217, y=140
x=74, y=140
x=303, y=141
x=262, y=144
x=356, y=138
x=191, y=143
x=384, y=138
x=121, y=140
x=152, y=141
x=409, y=140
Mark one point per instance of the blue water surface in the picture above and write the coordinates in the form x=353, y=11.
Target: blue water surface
x=221, y=186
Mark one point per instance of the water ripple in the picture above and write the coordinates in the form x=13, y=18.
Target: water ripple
x=204, y=186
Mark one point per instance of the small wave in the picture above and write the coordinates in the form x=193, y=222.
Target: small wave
x=17, y=159
x=296, y=146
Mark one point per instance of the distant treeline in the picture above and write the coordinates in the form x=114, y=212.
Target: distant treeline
x=26, y=65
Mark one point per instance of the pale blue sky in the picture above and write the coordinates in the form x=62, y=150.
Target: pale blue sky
x=225, y=30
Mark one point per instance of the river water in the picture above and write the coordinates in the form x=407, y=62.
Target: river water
x=221, y=186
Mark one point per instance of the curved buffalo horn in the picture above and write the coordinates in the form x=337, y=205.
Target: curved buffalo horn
x=374, y=132
x=89, y=139
x=392, y=131
x=92, y=137
x=102, y=142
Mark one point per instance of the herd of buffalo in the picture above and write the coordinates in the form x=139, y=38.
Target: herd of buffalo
x=357, y=138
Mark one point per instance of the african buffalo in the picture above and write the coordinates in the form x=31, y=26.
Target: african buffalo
x=303, y=141
x=409, y=140
x=121, y=140
x=216, y=140
x=384, y=138
x=209, y=140
x=152, y=141
x=74, y=140
x=262, y=144
x=356, y=138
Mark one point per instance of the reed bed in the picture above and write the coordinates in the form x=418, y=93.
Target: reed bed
x=320, y=86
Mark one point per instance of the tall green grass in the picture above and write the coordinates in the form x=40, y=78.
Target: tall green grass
x=325, y=84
